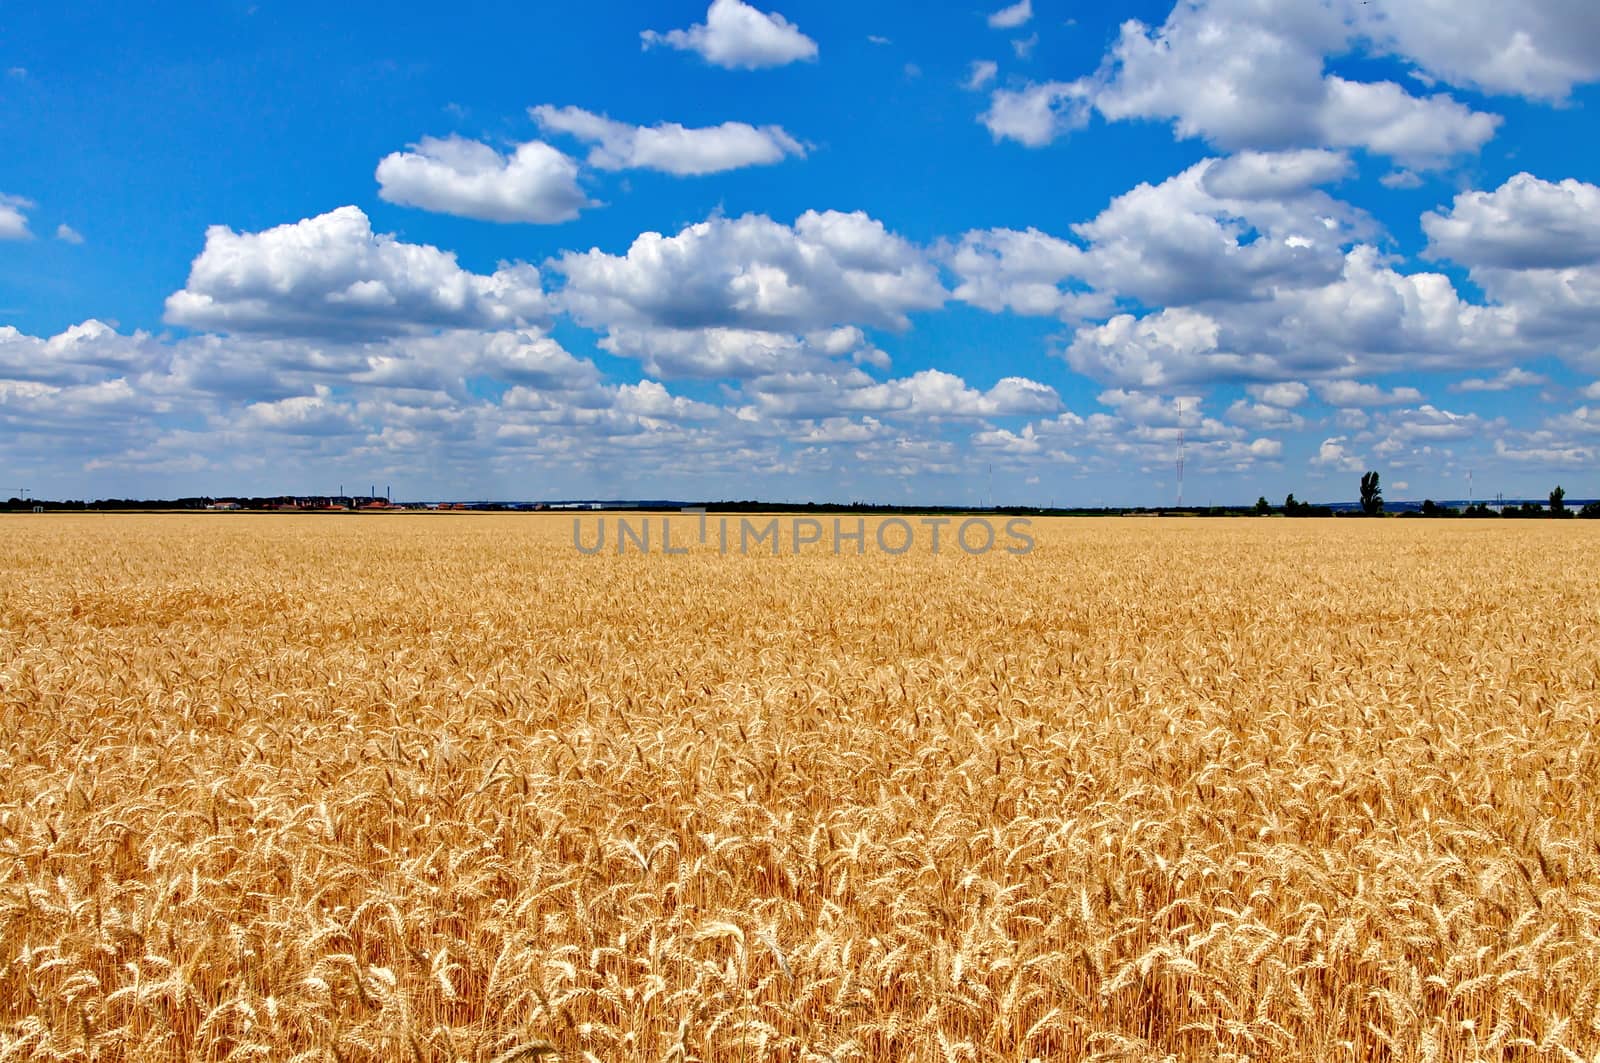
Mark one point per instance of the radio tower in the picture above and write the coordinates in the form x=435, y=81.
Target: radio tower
x=1180, y=453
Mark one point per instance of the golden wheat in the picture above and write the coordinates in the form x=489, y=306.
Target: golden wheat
x=443, y=788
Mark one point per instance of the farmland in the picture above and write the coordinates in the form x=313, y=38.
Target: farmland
x=443, y=788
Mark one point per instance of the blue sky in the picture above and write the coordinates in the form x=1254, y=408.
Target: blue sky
x=802, y=251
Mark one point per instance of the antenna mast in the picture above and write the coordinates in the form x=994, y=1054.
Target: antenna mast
x=1180, y=453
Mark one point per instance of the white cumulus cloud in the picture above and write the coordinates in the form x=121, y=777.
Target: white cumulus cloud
x=668, y=146
x=828, y=269
x=1526, y=223
x=1355, y=393
x=1285, y=394
x=1011, y=17
x=1539, y=49
x=1250, y=74
x=740, y=37
x=453, y=175
x=1335, y=453
x=14, y=218
x=1515, y=377
x=1037, y=114
x=331, y=275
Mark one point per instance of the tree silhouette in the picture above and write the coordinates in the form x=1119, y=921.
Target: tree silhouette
x=1371, y=495
x=1558, y=502
x=1263, y=507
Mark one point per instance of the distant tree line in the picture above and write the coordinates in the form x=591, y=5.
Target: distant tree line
x=1371, y=503
x=1372, y=506
x=1557, y=509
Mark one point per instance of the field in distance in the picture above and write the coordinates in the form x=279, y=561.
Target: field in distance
x=413, y=788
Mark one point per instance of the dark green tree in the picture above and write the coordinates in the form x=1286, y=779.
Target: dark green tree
x=1371, y=494
x=1263, y=507
x=1558, y=502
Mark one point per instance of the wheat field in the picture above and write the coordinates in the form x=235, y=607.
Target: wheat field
x=441, y=788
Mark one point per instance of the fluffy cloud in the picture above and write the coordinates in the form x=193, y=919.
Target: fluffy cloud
x=1037, y=114
x=733, y=353
x=1265, y=88
x=331, y=275
x=1583, y=421
x=42, y=419
x=1534, y=248
x=1285, y=394
x=1274, y=175
x=67, y=234
x=536, y=183
x=526, y=357
x=1264, y=417
x=302, y=415
x=1524, y=224
x=1391, y=318
x=1143, y=408
x=931, y=393
x=1142, y=431
x=1370, y=318
x=650, y=399
x=1249, y=74
x=76, y=355
x=1515, y=377
x=740, y=37
x=1535, y=48
x=1355, y=393
x=1400, y=179
x=1236, y=229
x=668, y=146
x=1246, y=269
x=1185, y=240
x=1546, y=449
x=1335, y=453
x=440, y=364
x=1160, y=349
x=14, y=218
x=1403, y=433
x=754, y=273
x=1007, y=269
x=1011, y=17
